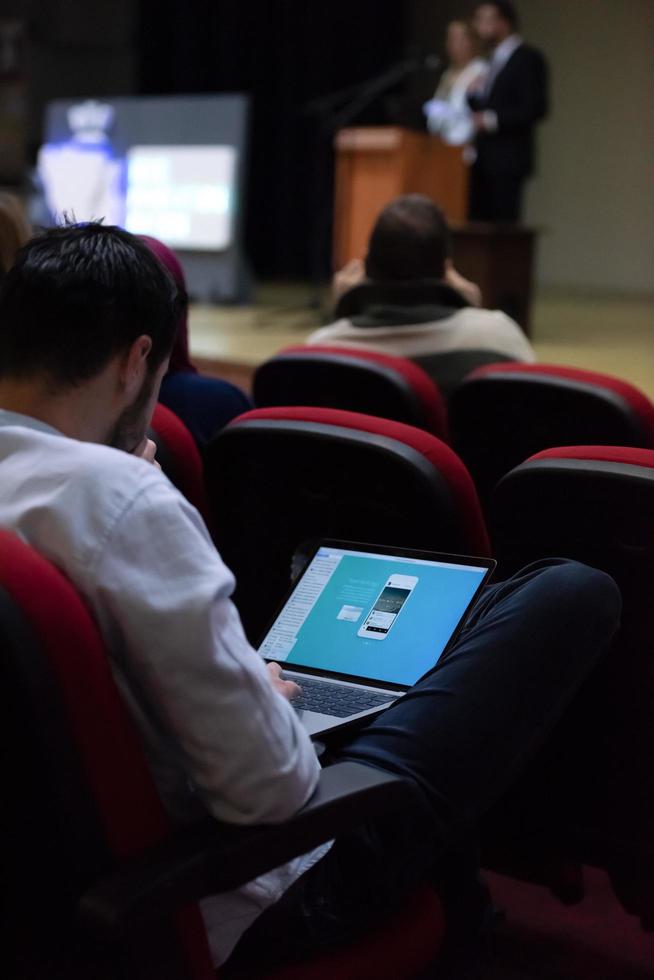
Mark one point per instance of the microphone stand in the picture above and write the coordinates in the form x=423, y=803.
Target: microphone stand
x=332, y=115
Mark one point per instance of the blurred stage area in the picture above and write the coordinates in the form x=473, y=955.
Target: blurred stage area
x=599, y=332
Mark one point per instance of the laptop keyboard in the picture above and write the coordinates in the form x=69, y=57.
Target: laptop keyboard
x=336, y=699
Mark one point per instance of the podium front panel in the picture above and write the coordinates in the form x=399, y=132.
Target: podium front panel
x=375, y=165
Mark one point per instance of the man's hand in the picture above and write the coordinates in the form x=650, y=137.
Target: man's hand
x=469, y=290
x=479, y=122
x=147, y=450
x=287, y=689
x=346, y=278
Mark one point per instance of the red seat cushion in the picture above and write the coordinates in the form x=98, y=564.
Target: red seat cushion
x=604, y=454
x=404, y=946
x=188, y=462
x=636, y=401
x=437, y=452
x=111, y=752
x=431, y=400
x=110, y=749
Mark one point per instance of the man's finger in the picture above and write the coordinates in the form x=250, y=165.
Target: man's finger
x=150, y=450
x=291, y=690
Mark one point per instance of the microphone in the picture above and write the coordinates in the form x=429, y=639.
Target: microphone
x=420, y=62
x=431, y=62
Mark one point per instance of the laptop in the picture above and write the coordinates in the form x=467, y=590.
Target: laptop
x=363, y=623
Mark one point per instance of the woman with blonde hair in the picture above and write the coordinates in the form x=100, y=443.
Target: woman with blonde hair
x=15, y=230
x=448, y=113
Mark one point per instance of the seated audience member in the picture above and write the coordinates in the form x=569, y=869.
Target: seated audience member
x=205, y=404
x=14, y=230
x=87, y=321
x=435, y=312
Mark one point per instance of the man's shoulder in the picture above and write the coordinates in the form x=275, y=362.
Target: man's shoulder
x=484, y=317
x=486, y=322
x=527, y=54
x=337, y=328
x=81, y=467
x=67, y=497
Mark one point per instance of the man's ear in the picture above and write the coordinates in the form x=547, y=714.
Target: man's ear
x=134, y=365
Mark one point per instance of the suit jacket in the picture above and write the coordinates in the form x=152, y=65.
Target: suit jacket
x=519, y=97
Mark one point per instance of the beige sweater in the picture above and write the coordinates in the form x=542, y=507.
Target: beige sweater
x=465, y=329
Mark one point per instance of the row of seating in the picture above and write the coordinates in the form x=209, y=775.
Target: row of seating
x=278, y=477
x=497, y=417
x=274, y=478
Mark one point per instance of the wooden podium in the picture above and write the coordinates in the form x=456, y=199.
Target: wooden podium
x=375, y=164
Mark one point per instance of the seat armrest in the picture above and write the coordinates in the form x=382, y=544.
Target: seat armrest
x=211, y=857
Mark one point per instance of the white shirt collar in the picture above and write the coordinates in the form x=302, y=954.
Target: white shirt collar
x=503, y=51
x=26, y=421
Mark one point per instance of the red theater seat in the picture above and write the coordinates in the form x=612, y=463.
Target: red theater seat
x=353, y=380
x=278, y=477
x=96, y=882
x=179, y=457
x=504, y=413
x=596, y=504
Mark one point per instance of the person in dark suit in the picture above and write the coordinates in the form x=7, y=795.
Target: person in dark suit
x=507, y=103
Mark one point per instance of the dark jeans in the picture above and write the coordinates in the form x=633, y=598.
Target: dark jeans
x=495, y=197
x=462, y=735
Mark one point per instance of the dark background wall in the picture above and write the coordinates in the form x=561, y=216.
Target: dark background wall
x=596, y=150
x=73, y=47
x=284, y=54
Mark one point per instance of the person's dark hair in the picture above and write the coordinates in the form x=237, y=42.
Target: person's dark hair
x=410, y=240
x=78, y=295
x=505, y=9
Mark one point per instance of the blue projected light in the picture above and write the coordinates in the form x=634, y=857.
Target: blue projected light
x=83, y=180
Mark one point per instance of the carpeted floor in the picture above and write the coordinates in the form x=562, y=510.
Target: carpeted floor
x=541, y=939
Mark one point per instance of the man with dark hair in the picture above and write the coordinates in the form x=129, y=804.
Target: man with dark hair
x=409, y=241
x=87, y=320
x=84, y=306
x=507, y=103
x=411, y=302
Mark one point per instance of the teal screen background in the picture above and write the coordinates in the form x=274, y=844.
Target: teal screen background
x=418, y=636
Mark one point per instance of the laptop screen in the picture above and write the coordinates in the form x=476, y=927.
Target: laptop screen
x=380, y=617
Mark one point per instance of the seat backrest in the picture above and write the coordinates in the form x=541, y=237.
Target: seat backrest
x=504, y=413
x=353, y=380
x=447, y=369
x=278, y=477
x=179, y=457
x=596, y=504
x=204, y=403
x=592, y=503
x=82, y=798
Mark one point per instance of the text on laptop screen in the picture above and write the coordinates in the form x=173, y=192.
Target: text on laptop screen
x=373, y=616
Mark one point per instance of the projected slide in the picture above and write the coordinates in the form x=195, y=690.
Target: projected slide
x=181, y=194
x=167, y=166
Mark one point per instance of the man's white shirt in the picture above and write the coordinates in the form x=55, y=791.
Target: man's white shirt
x=217, y=735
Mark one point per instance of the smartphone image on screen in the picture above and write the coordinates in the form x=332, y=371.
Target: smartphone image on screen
x=387, y=607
